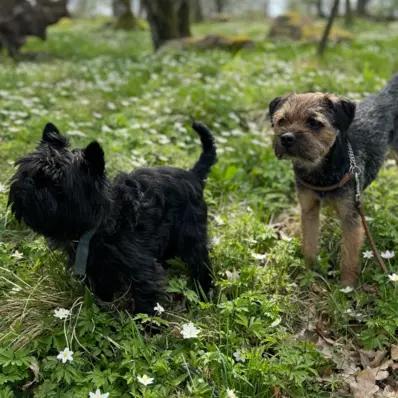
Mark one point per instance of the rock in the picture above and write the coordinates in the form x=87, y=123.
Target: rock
x=210, y=42
x=298, y=27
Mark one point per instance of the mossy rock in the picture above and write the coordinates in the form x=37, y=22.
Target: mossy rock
x=130, y=22
x=211, y=42
x=298, y=27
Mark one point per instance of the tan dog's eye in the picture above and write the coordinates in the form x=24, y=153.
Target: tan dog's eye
x=281, y=122
x=314, y=123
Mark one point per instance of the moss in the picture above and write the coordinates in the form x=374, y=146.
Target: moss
x=213, y=41
x=298, y=27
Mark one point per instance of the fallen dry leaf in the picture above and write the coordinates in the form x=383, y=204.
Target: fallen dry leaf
x=372, y=374
x=394, y=352
x=379, y=357
x=364, y=389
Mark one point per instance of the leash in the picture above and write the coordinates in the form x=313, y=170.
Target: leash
x=353, y=172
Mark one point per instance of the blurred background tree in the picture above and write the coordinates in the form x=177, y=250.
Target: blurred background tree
x=22, y=18
x=171, y=19
x=168, y=19
x=122, y=11
x=196, y=11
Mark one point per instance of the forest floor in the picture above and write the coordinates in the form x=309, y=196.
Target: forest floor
x=273, y=327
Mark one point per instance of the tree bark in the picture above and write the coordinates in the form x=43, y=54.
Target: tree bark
x=220, y=6
x=362, y=7
x=319, y=9
x=124, y=14
x=348, y=13
x=21, y=18
x=328, y=28
x=184, y=19
x=169, y=20
x=196, y=11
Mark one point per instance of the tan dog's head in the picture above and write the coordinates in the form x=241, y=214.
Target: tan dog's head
x=306, y=125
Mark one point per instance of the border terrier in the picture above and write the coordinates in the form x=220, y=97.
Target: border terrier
x=318, y=132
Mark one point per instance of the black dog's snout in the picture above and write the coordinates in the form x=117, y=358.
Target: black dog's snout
x=287, y=139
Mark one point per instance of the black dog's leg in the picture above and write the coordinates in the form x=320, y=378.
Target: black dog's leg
x=198, y=260
x=148, y=287
x=192, y=246
x=196, y=256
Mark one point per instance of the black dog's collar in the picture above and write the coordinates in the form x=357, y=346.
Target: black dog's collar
x=82, y=251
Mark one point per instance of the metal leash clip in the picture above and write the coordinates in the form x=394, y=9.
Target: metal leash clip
x=354, y=169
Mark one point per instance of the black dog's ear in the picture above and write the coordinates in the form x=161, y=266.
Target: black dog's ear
x=95, y=158
x=52, y=136
x=343, y=113
x=274, y=105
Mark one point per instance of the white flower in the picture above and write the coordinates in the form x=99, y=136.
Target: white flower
x=388, y=254
x=218, y=220
x=347, y=289
x=231, y=393
x=2, y=188
x=367, y=254
x=239, y=356
x=276, y=322
x=159, y=309
x=17, y=255
x=189, y=331
x=145, y=380
x=97, y=394
x=216, y=240
x=393, y=277
x=61, y=313
x=232, y=275
x=65, y=355
x=258, y=256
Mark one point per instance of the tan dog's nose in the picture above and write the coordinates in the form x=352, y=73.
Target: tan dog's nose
x=287, y=139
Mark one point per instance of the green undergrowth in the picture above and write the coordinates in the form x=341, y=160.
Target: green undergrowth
x=95, y=83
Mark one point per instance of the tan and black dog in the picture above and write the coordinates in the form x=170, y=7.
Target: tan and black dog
x=317, y=131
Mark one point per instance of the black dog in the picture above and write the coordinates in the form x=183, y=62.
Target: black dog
x=119, y=234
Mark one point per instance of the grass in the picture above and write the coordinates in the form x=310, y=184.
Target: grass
x=261, y=334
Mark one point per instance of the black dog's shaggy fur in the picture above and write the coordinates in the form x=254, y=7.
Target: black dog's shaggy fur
x=141, y=219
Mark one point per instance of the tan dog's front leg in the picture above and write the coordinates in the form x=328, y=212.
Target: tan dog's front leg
x=310, y=208
x=353, y=236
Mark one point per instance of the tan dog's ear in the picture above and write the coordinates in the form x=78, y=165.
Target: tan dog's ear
x=274, y=105
x=343, y=111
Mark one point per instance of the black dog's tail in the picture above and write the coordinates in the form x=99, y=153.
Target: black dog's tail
x=208, y=156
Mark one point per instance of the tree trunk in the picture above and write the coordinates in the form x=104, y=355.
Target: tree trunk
x=328, y=28
x=348, y=13
x=362, y=7
x=184, y=19
x=169, y=20
x=22, y=18
x=196, y=11
x=124, y=14
x=220, y=6
x=319, y=9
